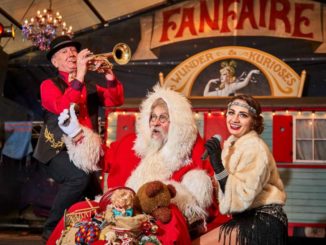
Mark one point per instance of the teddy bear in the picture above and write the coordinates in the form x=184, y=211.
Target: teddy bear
x=153, y=198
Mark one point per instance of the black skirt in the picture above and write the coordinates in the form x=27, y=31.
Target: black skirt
x=266, y=225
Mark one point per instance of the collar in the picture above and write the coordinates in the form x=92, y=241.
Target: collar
x=64, y=75
x=234, y=140
x=128, y=212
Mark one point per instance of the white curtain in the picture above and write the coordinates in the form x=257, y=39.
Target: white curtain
x=310, y=139
x=320, y=139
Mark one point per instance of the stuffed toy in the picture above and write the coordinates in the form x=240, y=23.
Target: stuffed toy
x=122, y=202
x=153, y=198
x=122, y=223
x=115, y=221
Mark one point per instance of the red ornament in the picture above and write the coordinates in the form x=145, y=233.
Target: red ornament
x=146, y=227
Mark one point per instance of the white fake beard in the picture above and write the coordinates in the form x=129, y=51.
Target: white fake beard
x=155, y=145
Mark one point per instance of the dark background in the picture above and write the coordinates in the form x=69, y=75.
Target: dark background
x=26, y=70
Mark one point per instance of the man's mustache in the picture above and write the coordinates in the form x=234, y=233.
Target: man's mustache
x=155, y=129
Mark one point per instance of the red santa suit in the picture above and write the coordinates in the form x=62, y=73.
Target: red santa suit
x=131, y=162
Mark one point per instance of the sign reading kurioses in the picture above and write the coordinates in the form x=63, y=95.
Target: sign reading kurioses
x=238, y=70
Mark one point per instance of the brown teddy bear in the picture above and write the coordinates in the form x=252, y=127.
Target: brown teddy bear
x=154, y=197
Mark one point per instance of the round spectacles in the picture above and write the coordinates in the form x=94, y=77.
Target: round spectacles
x=162, y=118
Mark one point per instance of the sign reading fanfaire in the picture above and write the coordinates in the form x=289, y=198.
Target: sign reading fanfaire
x=299, y=19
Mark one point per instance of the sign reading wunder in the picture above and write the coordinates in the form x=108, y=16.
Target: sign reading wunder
x=281, y=80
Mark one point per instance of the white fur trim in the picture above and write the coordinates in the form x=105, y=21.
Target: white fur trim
x=199, y=183
x=187, y=203
x=150, y=168
x=182, y=131
x=86, y=154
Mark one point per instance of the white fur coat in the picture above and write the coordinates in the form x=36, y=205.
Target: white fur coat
x=253, y=178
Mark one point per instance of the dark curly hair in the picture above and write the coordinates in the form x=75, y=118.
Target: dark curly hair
x=258, y=120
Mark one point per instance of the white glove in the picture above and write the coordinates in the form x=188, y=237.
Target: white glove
x=68, y=122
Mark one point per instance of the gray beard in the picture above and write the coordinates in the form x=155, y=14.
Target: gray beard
x=155, y=145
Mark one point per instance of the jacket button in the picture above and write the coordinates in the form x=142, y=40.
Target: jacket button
x=57, y=151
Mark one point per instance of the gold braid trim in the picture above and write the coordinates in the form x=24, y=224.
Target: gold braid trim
x=49, y=137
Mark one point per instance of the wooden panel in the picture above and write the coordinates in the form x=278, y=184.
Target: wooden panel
x=307, y=209
x=305, y=202
x=267, y=134
x=305, y=217
x=303, y=196
x=306, y=194
x=301, y=173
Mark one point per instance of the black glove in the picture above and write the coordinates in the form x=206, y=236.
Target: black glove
x=214, y=151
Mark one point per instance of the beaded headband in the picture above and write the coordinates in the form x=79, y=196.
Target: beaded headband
x=250, y=108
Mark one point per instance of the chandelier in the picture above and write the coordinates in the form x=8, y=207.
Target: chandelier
x=44, y=27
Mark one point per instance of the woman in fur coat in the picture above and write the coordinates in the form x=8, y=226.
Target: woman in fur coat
x=249, y=185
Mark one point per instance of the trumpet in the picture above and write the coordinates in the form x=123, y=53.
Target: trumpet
x=121, y=54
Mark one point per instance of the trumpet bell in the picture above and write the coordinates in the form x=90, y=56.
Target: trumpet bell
x=121, y=53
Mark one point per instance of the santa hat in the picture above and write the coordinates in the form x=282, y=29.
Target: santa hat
x=182, y=130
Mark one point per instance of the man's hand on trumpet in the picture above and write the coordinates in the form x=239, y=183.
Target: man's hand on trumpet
x=101, y=65
x=86, y=60
x=83, y=57
x=109, y=75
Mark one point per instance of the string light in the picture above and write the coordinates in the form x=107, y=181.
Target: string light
x=44, y=27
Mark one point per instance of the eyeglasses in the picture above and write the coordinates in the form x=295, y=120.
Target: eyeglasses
x=162, y=118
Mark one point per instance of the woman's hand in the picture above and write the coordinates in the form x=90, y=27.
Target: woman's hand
x=214, y=151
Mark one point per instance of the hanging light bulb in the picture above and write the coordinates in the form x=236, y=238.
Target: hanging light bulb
x=44, y=27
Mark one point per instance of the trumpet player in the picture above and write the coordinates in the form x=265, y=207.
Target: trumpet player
x=57, y=94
